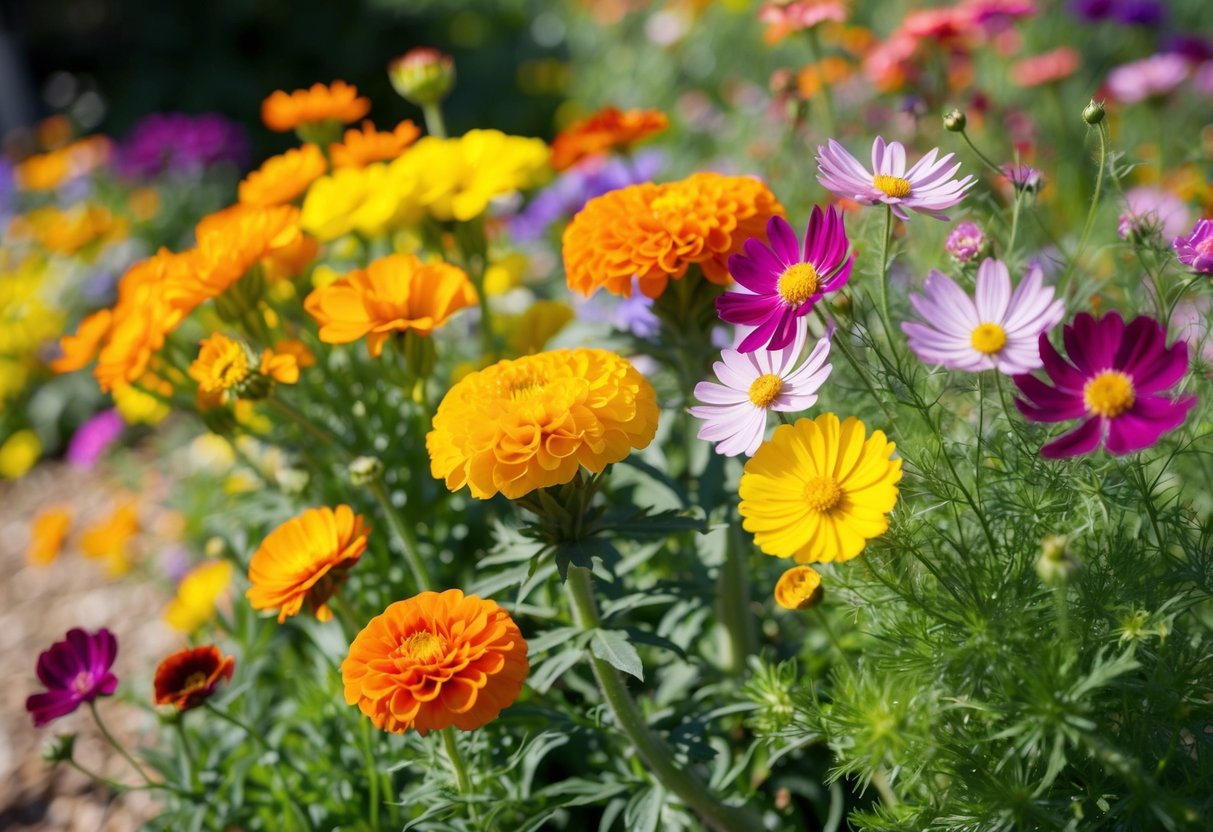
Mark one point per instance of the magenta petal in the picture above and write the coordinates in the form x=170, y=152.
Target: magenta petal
x=49, y=706
x=1082, y=440
x=752, y=276
x=1060, y=371
x=748, y=310
x=1146, y=421
x=1165, y=372
x=107, y=684
x=1045, y=403
x=1142, y=344
x=816, y=236
x=785, y=332
x=783, y=240
x=760, y=336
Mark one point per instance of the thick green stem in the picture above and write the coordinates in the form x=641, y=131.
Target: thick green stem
x=435, y=125
x=653, y=751
x=451, y=745
x=404, y=535
x=886, y=239
x=733, y=592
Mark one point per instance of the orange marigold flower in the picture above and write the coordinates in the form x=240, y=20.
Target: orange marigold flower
x=436, y=660
x=80, y=349
x=305, y=559
x=303, y=356
x=189, y=677
x=534, y=421
x=397, y=293
x=226, y=367
x=47, y=533
x=608, y=128
x=282, y=178
x=655, y=232
x=339, y=101
x=360, y=148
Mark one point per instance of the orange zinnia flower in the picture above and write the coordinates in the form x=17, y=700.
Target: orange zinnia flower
x=282, y=178
x=80, y=349
x=655, y=232
x=362, y=147
x=339, y=101
x=47, y=533
x=397, y=293
x=304, y=560
x=605, y=129
x=434, y=661
x=189, y=677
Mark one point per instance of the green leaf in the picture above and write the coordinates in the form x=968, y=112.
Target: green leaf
x=546, y=674
x=613, y=647
x=644, y=810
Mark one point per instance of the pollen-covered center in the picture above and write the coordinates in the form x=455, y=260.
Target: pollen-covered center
x=421, y=646
x=1109, y=394
x=893, y=186
x=988, y=339
x=798, y=283
x=195, y=680
x=83, y=682
x=231, y=368
x=821, y=494
x=765, y=390
x=671, y=202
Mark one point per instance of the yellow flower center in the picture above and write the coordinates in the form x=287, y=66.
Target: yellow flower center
x=195, y=680
x=798, y=283
x=765, y=390
x=893, y=186
x=988, y=338
x=422, y=646
x=1109, y=394
x=821, y=494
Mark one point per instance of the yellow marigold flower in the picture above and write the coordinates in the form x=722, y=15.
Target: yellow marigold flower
x=19, y=453
x=436, y=660
x=818, y=490
x=47, y=533
x=305, y=559
x=799, y=588
x=197, y=595
x=282, y=178
x=656, y=232
x=111, y=539
x=339, y=101
x=457, y=178
x=226, y=366
x=608, y=128
x=530, y=331
x=27, y=320
x=369, y=200
x=534, y=421
x=80, y=349
x=397, y=293
x=136, y=406
x=360, y=148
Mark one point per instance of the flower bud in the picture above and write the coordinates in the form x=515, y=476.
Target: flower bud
x=423, y=75
x=954, y=121
x=60, y=749
x=365, y=470
x=1093, y=113
x=799, y=588
x=1056, y=564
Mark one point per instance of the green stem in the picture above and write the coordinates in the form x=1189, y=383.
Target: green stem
x=733, y=592
x=1064, y=283
x=435, y=125
x=1014, y=223
x=886, y=239
x=451, y=745
x=404, y=536
x=121, y=749
x=652, y=750
x=112, y=785
x=985, y=160
x=187, y=754
x=372, y=776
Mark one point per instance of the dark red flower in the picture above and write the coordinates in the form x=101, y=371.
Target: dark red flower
x=187, y=678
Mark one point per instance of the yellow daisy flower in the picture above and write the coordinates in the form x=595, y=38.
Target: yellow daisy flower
x=818, y=490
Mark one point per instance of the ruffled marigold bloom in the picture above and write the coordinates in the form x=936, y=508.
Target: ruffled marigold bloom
x=197, y=595
x=338, y=102
x=436, y=660
x=225, y=366
x=304, y=560
x=534, y=421
x=799, y=588
x=360, y=148
x=281, y=179
x=74, y=671
x=656, y=232
x=927, y=187
x=47, y=533
x=818, y=490
x=606, y=129
x=1114, y=381
x=397, y=293
x=189, y=677
x=370, y=200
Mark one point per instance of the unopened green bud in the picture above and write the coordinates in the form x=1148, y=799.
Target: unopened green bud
x=1093, y=113
x=423, y=75
x=1055, y=564
x=60, y=749
x=365, y=470
x=954, y=121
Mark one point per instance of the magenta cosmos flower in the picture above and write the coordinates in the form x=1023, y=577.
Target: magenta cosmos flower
x=996, y=330
x=74, y=671
x=928, y=187
x=1113, y=381
x=734, y=412
x=780, y=282
x=1196, y=250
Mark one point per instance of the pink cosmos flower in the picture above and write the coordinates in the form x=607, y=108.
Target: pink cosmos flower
x=1023, y=177
x=996, y=330
x=74, y=671
x=966, y=241
x=1147, y=78
x=1196, y=250
x=798, y=15
x=927, y=187
x=1056, y=65
x=734, y=412
x=1113, y=381
x=778, y=283
x=1150, y=210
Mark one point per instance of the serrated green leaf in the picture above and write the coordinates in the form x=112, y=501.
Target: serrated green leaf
x=613, y=647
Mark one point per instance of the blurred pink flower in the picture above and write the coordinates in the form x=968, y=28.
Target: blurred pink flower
x=1052, y=66
x=1196, y=249
x=1149, y=210
x=798, y=15
x=1147, y=78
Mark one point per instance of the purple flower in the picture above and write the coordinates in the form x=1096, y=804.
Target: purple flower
x=1150, y=211
x=1125, y=12
x=996, y=330
x=778, y=284
x=1147, y=78
x=927, y=187
x=74, y=670
x=1112, y=381
x=1023, y=177
x=1196, y=250
x=734, y=412
x=94, y=437
x=633, y=313
x=181, y=143
x=966, y=241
